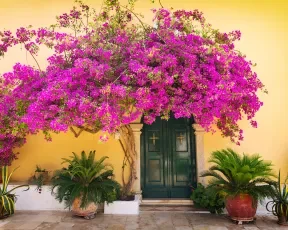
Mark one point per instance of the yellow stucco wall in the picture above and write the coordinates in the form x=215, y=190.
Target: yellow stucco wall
x=48, y=154
x=264, y=25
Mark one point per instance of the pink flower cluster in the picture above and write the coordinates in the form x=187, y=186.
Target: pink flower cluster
x=114, y=71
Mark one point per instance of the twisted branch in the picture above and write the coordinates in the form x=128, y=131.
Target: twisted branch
x=127, y=142
x=75, y=133
x=83, y=128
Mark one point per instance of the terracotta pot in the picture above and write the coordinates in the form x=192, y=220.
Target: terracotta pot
x=87, y=212
x=241, y=207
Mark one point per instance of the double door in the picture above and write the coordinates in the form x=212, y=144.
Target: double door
x=168, y=164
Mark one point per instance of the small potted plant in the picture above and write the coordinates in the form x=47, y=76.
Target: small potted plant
x=7, y=197
x=279, y=204
x=208, y=198
x=40, y=178
x=244, y=180
x=39, y=172
x=84, y=183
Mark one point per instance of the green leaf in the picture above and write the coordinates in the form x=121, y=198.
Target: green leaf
x=19, y=186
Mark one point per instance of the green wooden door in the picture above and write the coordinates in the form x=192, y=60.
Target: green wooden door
x=168, y=165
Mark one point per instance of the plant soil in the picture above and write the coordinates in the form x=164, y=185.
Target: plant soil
x=127, y=198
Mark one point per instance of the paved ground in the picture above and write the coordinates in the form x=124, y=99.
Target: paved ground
x=146, y=220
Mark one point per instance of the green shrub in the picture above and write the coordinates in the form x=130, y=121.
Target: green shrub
x=208, y=198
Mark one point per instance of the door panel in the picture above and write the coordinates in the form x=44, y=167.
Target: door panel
x=155, y=179
x=181, y=154
x=167, y=159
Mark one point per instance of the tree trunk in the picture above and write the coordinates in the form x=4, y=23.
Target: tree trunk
x=127, y=141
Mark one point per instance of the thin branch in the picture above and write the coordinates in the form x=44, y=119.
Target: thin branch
x=83, y=128
x=85, y=27
x=135, y=16
x=27, y=58
x=75, y=27
x=87, y=22
x=161, y=4
x=123, y=169
x=75, y=133
x=119, y=76
x=86, y=129
x=101, y=7
x=125, y=152
x=127, y=158
x=123, y=164
x=35, y=61
x=65, y=56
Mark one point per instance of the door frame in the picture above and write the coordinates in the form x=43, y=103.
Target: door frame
x=136, y=127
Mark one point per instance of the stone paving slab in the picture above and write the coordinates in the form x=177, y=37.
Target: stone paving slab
x=47, y=220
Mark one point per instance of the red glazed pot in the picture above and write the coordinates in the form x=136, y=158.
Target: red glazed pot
x=241, y=207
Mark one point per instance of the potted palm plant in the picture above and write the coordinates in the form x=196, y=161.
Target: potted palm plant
x=7, y=197
x=279, y=204
x=84, y=183
x=243, y=180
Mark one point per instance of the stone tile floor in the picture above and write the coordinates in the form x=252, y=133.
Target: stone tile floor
x=46, y=220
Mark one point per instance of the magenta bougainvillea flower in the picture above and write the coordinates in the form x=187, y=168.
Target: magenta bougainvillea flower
x=113, y=68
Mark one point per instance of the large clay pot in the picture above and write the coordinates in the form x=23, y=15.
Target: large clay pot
x=241, y=207
x=87, y=213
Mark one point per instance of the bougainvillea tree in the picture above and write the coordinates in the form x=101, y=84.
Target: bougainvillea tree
x=113, y=68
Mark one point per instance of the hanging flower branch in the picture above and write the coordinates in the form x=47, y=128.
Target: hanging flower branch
x=114, y=68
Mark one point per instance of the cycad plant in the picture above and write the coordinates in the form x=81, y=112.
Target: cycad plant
x=7, y=197
x=234, y=174
x=279, y=204
x=84, y=178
